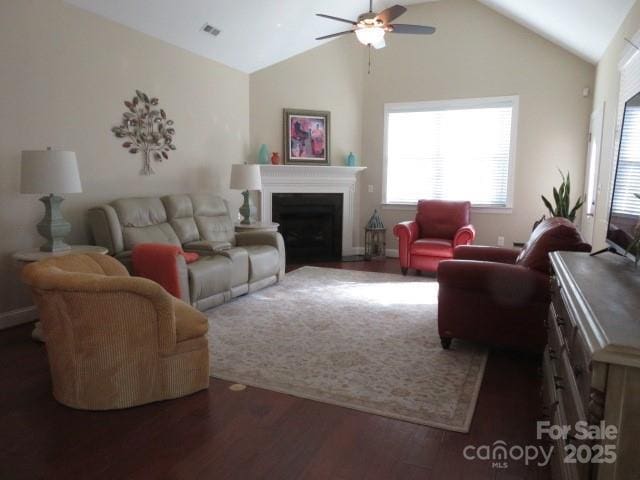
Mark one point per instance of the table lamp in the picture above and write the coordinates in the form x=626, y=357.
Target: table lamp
x=44, y=172
x=246, y=177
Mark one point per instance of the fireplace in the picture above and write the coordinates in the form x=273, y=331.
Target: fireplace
x=311, y=224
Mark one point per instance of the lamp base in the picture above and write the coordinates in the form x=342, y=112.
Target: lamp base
x=247, y=210
x=53, y=227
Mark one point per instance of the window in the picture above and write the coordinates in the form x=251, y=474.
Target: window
x=452, y=150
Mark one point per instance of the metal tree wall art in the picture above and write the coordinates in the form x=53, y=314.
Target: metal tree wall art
x=146, y=129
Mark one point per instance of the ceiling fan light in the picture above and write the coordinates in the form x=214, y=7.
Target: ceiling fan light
x=370, y=35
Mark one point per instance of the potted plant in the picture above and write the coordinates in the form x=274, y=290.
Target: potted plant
x=561, y=198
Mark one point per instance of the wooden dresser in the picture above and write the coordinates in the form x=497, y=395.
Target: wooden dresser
x=592, y=363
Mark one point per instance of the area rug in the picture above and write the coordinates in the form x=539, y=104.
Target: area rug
x=361, y=340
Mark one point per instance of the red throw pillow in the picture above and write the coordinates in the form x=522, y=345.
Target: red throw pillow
x=190, y=257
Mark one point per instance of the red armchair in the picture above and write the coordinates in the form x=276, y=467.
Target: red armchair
x=439, y=227
x=500, y=296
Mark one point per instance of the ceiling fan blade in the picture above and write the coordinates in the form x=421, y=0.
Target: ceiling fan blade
x=336, y=18
x=390, y=14
x=413, y=29
x=334, y=35
x=380, y=44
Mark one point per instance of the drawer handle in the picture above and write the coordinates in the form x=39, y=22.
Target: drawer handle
x=552, y=354
x=577, y=371
x=560, y=321
x=558, y=382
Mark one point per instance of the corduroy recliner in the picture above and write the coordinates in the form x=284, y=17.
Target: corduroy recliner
x=115, y=341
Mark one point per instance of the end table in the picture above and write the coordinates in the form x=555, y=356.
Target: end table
x=257, y=227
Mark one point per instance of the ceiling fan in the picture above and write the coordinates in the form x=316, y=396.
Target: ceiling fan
x=371, y=27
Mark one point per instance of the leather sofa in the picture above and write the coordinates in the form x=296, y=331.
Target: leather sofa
x=438, y=228
x=230, y=264
x=500, y=296
x=115, y=341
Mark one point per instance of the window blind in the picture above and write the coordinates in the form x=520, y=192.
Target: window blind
x=450, y=153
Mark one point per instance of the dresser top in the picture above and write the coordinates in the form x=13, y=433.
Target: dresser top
x=602, y=293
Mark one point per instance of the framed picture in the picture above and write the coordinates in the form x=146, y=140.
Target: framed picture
x=306, y=137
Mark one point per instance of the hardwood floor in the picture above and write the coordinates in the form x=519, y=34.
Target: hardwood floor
x=254, y=433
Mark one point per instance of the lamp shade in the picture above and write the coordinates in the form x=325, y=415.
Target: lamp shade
x=49, y=171
x=245, y=177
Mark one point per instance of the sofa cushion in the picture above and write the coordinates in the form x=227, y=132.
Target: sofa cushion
x=551, y=235
x=180, y=214
x=212, y=218
x=190, y=323
x=264, y=261
x=144, y=220
x=161, y=233
x=209, y=276
x=432, y=247
x=239, y=264
x=140, y=212
x=441, y=219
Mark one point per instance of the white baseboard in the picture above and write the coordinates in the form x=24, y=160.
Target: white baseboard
x=18, y=317
x=391, y=252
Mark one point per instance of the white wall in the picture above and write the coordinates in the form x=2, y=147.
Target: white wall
x=63, y=77
x=607, y=89
x=475, y=52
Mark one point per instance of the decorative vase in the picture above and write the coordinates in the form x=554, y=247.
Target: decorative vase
x=275, y=158
x=263, y=155
x=351, y=160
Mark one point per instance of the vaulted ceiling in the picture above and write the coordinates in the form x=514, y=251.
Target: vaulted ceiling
x=258, y=33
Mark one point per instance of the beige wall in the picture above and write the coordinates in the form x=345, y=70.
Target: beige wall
x=63, y=77
x=607, y=89
x=476, y=52
x=329, y=77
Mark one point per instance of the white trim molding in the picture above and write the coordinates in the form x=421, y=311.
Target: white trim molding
x=313, y=179
x=512, y=101
x=18, y=316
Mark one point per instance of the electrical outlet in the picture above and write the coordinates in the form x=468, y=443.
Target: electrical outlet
x=370, y=188
x=501, y=241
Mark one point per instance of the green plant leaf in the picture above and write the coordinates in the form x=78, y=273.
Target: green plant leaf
x=547, y=204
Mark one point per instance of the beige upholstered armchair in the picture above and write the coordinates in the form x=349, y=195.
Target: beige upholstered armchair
x=115, y=341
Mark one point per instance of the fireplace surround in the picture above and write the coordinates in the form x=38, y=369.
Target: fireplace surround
x=311, y=224
x=314, y=179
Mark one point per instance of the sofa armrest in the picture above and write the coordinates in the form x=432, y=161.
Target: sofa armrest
x=407, y=231
x=496, y=280
x=486, y=254
x=464, y=236
x=273, y=239
x=106, y=229
x=206, y=247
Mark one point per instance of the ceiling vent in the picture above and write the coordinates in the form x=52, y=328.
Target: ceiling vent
x=210, y=29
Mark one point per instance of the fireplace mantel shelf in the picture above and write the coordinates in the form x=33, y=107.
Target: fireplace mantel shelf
x=313, y=179
x=271, y=173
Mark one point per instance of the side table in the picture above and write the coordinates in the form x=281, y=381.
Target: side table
x=257, y=227
x=29, y=256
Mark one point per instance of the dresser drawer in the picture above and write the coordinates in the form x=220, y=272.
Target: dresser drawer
x=555, y=337
x=573, y=405
x=560, y=470
x=581, y=366
x=549, y=392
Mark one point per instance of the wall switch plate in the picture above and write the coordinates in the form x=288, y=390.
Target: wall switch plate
x=501, y=241
x=370, y=188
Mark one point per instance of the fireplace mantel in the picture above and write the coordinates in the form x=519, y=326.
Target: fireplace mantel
x=313, y=179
